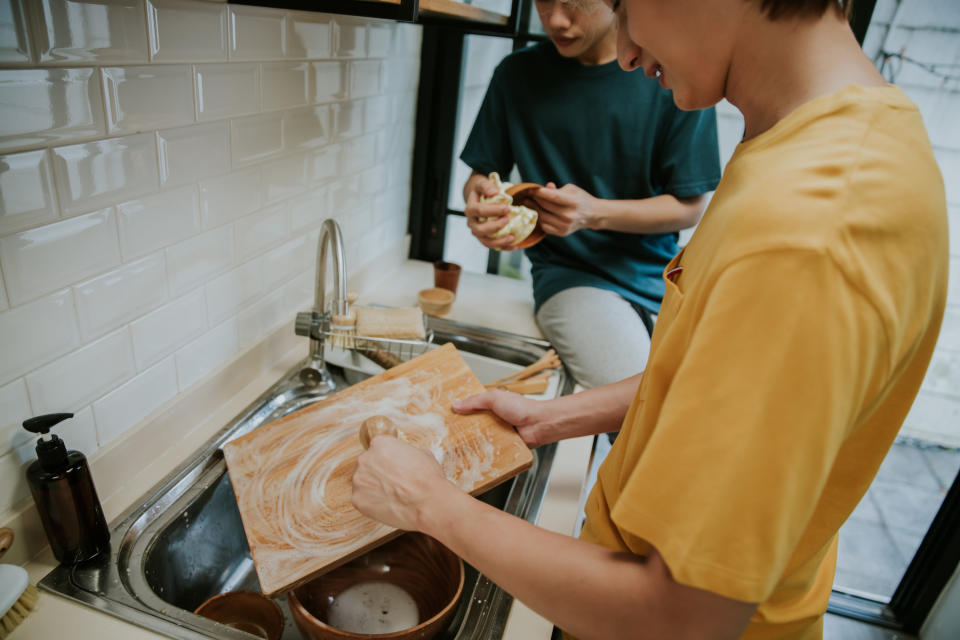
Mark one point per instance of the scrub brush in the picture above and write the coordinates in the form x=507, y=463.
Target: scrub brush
x=17, y=595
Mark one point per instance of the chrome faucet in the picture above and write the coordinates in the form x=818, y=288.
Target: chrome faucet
x=316, y=322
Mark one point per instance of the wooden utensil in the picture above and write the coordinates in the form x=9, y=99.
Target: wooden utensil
x=548, y=360
x=376, y=426
x=292, y=477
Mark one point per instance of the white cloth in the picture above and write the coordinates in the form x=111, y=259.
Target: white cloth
x=599, y=336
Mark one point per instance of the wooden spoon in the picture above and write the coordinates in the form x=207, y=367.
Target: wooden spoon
x=376, y=426
x=522, y=194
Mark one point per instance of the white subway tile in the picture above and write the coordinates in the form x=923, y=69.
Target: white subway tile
x=284, y=84
x=208, y=352
x=323, y=163
x=93, y=31
x=256, y=321
x=14, y=409
x=380, y=39
x=351, y=37
x=227, y=198
x=256, y=138
x=329, y=81
x=148, y=97
x=310, y=211
x=98, y=174
x=156, y=221
x=193, y=261
x=26, y=191
x=14, y=34
x=309, y=35
x=47, y=258
x=284, y=178
x=260, y=231
x=280, y=265
x=403, y=74
x=358, y=154
x=161, y=332
x=234, y=290
x=256, y=33
x=348, y=119
x=407, y=39
x=376, y=113
x=193, y=153
x=35, y=333
x=187, y=31
x=298, y=294
x=13, y=480
x=307, y=127
x=4, y=304
x=124, y=407
x=43, y=106
x=106, y=302
x=365, y=78
x=80, y=377
x=227, y=90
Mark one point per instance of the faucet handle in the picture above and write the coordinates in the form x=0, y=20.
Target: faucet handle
x=308, y=323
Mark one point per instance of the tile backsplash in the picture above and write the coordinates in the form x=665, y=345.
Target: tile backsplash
x=165, y=166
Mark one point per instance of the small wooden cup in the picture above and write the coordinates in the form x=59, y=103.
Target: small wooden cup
x=436, y=301
x=446, y=275
x=247, y=611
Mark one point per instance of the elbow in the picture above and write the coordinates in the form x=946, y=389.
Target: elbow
x=693, y=209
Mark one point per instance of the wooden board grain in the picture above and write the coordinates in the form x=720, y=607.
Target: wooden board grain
x=292, y=477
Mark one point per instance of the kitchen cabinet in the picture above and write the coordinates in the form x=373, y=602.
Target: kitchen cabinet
x=443, y=12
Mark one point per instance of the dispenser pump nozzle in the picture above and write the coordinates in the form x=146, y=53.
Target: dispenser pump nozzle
x=51, y=452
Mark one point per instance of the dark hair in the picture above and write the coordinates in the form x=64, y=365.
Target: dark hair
x=776, y=9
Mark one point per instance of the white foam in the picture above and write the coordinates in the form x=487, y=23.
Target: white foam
x=373, y=607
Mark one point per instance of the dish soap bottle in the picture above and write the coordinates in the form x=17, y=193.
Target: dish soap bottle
x=63, y=490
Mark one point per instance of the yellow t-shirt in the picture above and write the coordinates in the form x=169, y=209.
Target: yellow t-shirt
x=786, y=355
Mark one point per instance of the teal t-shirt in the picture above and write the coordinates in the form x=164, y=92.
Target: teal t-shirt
x=615, y=134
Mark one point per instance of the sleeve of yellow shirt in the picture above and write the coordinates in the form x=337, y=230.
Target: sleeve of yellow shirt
x=782, y=356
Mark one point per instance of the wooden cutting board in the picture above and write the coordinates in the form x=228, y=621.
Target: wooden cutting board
x=292, y=477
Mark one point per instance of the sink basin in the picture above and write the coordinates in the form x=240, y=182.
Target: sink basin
x=184, y=543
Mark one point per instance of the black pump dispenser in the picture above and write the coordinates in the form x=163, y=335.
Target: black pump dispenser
x=66, y=499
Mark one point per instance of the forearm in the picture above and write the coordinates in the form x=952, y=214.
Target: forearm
x=590, y=412
x=659, y=214
x=588, y=590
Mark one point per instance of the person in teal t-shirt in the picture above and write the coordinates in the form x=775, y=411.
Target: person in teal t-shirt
x=633, y=170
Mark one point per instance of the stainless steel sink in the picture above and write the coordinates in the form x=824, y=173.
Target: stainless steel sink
x=184, y=542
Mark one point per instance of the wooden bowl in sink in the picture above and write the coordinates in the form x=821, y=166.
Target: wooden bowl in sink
x=247, y=611
x=415, y=569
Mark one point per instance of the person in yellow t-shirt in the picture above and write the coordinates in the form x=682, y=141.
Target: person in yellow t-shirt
x=796, y=329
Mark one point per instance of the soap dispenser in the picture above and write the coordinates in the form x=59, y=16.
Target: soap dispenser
x=63, y=490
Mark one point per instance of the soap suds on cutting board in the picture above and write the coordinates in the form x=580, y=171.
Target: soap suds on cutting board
x=301, y=483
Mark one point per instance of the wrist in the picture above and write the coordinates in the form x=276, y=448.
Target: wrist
x=436, y=514
x=597, y=214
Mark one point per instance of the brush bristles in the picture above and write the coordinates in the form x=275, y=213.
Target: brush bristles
x=20, y=610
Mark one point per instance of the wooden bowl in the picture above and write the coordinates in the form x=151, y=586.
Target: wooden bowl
x=522, y=194
x=426, y=570
x=247, y=611
x=436, y=301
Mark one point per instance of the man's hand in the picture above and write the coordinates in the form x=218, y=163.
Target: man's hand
x=565, y=210
x=479, y=186
x=395, y=481
x=527, y=415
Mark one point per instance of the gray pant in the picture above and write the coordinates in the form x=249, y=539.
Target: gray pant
x=599, y=336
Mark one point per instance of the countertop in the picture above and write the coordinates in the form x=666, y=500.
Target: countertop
x=485, y=300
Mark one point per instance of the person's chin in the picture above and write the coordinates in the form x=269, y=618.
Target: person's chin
x=567, y=47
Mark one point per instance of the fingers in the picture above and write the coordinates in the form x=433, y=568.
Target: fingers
x=553, y=199
x=477, y=402
x=483, y=187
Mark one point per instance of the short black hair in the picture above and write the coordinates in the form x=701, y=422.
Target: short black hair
x=776, y=9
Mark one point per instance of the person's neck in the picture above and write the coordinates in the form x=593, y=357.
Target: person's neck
x=603, y=51
x=778, y=66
